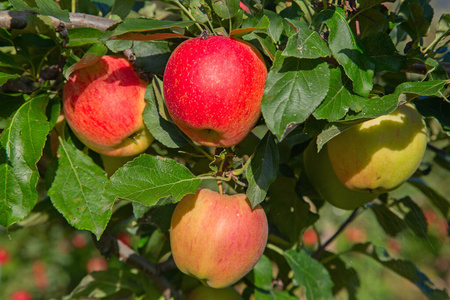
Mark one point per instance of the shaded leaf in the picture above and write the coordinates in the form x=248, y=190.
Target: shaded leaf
x=390, y=222
x=51, y=8
x=437, y=199
x=147, y=179
x=76, y=191
x=294, y=89
x=343, y=44
x=4, y=77
x=414, y=217
x=164, y=131
x=122, y=8
x=416, y=23
x=333, y=129
x=263, y=169
x=262, y=274
x=288, y=211
x=310, y=274
x=250, y=25
x=433, y=107
x=404, y=268
x=83, y=36
x=225, y=9
x=22, y=142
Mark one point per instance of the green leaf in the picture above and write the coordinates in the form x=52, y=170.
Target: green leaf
x=83, y=36
x=404, y=268
x=164, y=131
x=437, y=199
x=306, y=43
x=380, y=48
x=22, y=143
x=340, y=98
x=147, y=179
x=414, y=217
x=310, y=275
x=263, y=169
x=225, y=9
x=288, y=211
x=102, y=284
x=343, y=44
x=249, y=25
x=93, y=55
x=152, y=56
x=366, y=4
x=294, y=89
x=443, y=29
x=262, y=274
x=371, y=22
x=433, y=107
x=390, y=222
x=416, y=23
x=76, y=191
x=333, y=129
x=10, y=103
x=144, y=25
x=275, y=28
x=4, y=77
x=51, y=8
x=342, y=276
x=122, y=8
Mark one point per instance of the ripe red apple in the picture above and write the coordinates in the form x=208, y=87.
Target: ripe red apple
x=309, y=237
x=382, y=153
x=5, y=257
x=79, y=240
x=355, y=235
x=217, y=238
x=95, y=264
x=213, y=89
x=103, y=105
x=203, y=292
x=21, y=295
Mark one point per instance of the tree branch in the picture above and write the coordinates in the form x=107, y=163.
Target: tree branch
x=108, y=245
x=19, y=20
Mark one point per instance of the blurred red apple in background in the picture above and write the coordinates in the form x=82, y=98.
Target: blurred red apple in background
x=96, y=264
x=21, y=295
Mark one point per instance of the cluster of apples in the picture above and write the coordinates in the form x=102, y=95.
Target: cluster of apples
x=213, y=87
x=370, y=158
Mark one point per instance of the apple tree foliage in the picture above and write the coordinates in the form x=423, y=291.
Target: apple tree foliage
x=331, y=65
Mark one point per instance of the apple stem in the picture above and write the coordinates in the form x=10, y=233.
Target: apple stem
x=220, y=185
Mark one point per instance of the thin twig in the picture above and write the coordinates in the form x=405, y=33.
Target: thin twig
x=340, y=229
x=108, y=245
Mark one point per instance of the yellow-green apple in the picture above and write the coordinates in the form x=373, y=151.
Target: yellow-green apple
x=112, y=163
x=103, y=104
x=382, y=153
x=213, y=87
x=203, y=292
x=217, y=238
x=320, y=173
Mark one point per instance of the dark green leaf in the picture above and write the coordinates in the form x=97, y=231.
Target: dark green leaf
x=404, y=268
x=287, y=210
x=366, y=4
x=5, y=77
x=414, y=217
x=21, y=5
x=76, y=191
x=310, y=275
x=437, y=199
x=143, y=25
x=275, y=24
x=437, y=108
x=152, y=56
x=342, y=276
x=164, y=131
x=147, y=179
x=294, y=89
x=263, y=169
x=435, y=71
x=122, y=8
x=443, y=29
x=249, y=25
x=416, y=23
x=105, y=283
x=51, y=8
x=225, y=9
x=390, y=222
x=381, y=50
x=21, y=147
x=343, y=44
x=340, y=98
x=306, y=43
x=370, y=22
x=10, y=103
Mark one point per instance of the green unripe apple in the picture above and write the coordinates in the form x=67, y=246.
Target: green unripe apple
x=380, y=154
x=321, y=175
x=203, y=292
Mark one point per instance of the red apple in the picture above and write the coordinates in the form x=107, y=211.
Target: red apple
x=355, y=235
x=103, y=105
x=5, y=257
x=79, y=241
x=40, y=274
x=310, y=237
x=208, y=293
x=21, y=295
x=213, y=87
x=96, y=264
x=217, y=238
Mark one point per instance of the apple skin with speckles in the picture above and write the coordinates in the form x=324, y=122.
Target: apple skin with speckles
x=380, y=154
x=213, y=89
x=103, y=104
x=217, y=238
